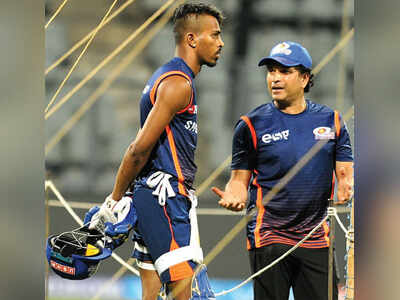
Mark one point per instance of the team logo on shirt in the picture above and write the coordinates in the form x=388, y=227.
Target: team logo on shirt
x=324, y=133
x=192, y=109
x=278, y=136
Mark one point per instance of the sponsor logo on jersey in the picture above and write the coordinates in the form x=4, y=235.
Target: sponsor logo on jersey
x=192, y=109
x=281, y=48
x=62, y=268
x=191, y=126
x=146, y=89
x=324, y=133
x=274, y=137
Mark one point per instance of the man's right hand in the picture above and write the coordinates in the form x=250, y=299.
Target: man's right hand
x=126, y=220
x=96, y=217
x=89, y=216
x=228, y=200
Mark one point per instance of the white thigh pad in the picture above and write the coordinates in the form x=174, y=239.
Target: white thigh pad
x=177, y=256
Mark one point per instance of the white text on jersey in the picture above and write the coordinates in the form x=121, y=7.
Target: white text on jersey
x=191, y=126
x=268, y=138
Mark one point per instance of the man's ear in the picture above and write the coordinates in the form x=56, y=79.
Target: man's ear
x=306, y=79
x=191, y=39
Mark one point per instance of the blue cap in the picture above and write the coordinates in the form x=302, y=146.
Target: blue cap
x=289, y=54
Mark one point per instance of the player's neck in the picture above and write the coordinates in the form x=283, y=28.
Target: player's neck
x=291, y=107
x=189, y=58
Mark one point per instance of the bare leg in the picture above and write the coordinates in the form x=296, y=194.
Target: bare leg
x=182, y=288
x=151, y=284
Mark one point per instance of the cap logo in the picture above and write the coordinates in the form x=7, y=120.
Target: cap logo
x=281, y=48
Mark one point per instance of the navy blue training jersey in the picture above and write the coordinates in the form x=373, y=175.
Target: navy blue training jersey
x=174, y=151
x=269, y=143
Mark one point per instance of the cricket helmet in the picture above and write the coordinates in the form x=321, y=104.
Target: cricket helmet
x=76, y=254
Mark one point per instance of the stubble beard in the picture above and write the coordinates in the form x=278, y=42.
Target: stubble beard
x=210, y=64
x=282, y=103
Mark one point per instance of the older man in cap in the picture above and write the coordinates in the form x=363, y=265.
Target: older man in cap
x=267, y=143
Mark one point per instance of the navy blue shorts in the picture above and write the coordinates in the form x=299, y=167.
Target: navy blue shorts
x=161, y=229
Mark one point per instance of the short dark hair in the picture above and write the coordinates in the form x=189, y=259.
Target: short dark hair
x=304, y=70
x=182, y=12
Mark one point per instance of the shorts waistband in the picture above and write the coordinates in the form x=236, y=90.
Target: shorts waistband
x=143, y=178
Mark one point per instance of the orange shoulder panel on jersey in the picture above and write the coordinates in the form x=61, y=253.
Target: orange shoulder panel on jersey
x=337, y=123
x=153, y=91
x=252, y=130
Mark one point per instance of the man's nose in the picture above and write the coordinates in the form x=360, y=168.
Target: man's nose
x=221, y=42
x=275, y=76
